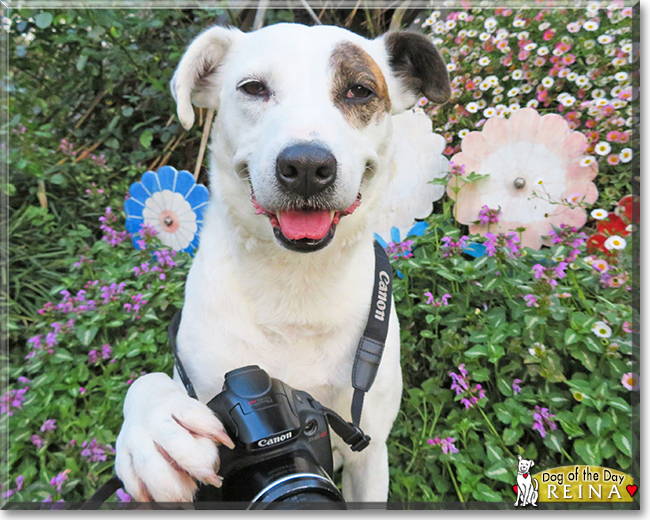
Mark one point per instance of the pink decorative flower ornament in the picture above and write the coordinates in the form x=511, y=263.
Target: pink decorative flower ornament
x=536, y=172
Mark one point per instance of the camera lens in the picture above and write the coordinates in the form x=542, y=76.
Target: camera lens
x=290, y=481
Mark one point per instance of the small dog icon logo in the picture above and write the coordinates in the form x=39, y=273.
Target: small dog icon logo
x=526, y=492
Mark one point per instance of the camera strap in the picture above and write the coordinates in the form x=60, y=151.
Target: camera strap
x=371, y=344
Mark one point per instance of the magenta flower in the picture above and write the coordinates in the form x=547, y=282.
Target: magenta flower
x=50, y=424
x=94, y=451
x=488, y=216
x=36, y=441
x=123, y=496
x=543, y=419
x=560, y=270
x=12, y=399
x=59, y=480
x=515, y=386
x=92, y=357
x=538, y=270
x=106, y=351
x=627, y=327
x=447, y=444
x=531, y=301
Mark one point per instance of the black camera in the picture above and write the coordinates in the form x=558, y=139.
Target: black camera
x=283, y=455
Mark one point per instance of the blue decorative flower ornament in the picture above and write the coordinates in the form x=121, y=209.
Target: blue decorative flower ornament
x=172, y=203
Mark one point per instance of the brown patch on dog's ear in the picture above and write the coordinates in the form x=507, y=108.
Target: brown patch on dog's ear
x=418, y=65
x=352, y=66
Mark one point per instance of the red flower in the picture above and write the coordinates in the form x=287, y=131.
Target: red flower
x=624, y=207
x=612, y=225
x=596, y=243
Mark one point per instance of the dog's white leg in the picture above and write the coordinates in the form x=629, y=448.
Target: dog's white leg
x=365, y=474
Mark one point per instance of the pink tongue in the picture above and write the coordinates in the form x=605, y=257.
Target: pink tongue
x=305, y=224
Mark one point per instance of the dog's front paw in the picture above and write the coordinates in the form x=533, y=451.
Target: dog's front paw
x=167, y=442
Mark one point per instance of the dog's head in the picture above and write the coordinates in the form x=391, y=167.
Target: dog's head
x=524, y=465
x=303, y=118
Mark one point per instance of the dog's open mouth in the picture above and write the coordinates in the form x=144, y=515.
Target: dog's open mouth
x=305, y=230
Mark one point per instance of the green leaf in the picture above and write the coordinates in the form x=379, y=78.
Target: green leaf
x=81, y=62
x=592, y=344
x=570, y=336
x=485, y=494
x=598, y=423
x=43, y=20
x=511, y=436
x=588, y=359
x=145, y=139
x=553, y=440
x=85, y=336
x=496, y=352
x=571, y=429
x=587, y=449
x=476, y=351
x=624, y=443
x=504, y=387
x=500, y=471
x=620, y=404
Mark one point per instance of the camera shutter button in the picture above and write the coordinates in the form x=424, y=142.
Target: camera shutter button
x=248, y=382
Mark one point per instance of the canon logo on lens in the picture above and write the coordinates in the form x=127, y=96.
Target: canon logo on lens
x=275, y=440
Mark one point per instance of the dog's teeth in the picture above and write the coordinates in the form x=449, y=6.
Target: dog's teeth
x=332, y=213
x=277, y=215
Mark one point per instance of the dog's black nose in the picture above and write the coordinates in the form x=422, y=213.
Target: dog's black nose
x=306, y=169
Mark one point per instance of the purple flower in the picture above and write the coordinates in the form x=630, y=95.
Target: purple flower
x=23, y=380
x=36, y=441
x=461, y=384
x=106, y=351
x=538, y=270
x=50, y=339
x=123, y=496
x=50, y=424
x=531, y=301
x=92, y=357
x=12, y=399
x=560, y=269
x=401, y=249
x=447, y=444
x=36, y=340
x=451, y=248
x=94, y=452
x=59, y=480
x=542, y=420
x=515, y=386
x=7, y=494
x=488, y=216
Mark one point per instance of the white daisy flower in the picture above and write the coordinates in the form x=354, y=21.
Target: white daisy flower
x=497, y=99
x=615, y=242
x=603, y=148
x=590, y=25
x=463, y=133
x=582, y=81
x=472, y=107
x=601, y=329
x=604, y=39
x=533, y=103
x=513, y=92
x=572, y=76
x=489, y=112
x=548, y=82
x=481, y=103
x=626, y=155
x=490, y=24
x=587, y=161
x=518, y=22
x=484, y=37
x=514, y=107
x=484, y=61
x=498, y=90
x=599, y=214
x=527, y=88
x=517, y=74
x=472, y=32
x=530, y=46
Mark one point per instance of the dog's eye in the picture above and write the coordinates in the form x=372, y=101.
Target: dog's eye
x=255, y=88
x=359, y=93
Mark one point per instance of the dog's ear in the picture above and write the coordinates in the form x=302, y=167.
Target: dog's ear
x=418, y=68
x=195, y=79
x=531, y=464
x=519, y=457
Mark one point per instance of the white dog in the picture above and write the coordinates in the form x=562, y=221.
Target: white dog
x=527, y=492
x=283, y=276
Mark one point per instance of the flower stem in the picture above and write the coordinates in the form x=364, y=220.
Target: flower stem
x=494, y=431
x=453, y=479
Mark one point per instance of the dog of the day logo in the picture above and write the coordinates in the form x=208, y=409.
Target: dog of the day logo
x=578, y=483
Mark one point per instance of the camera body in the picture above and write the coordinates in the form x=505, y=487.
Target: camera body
x=283, y=452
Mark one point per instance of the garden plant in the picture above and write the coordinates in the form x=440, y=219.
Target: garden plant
x=517, y=339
